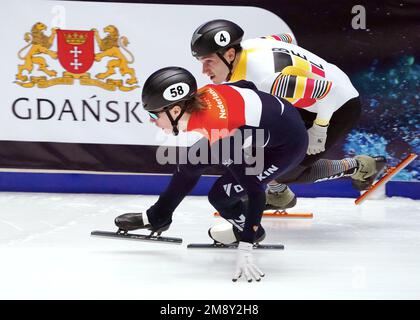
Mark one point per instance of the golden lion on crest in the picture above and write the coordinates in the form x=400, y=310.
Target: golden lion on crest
x=40, y=44
x=110, y=47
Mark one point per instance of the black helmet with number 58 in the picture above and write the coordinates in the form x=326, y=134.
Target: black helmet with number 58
x=215, y=36
x=167, y=87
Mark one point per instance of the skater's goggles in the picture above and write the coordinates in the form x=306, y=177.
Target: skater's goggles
x=155, y=114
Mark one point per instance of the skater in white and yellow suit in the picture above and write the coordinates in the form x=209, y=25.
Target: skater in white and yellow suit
x=324, y=95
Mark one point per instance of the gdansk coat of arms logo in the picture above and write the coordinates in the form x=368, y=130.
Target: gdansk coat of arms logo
x=76, y=54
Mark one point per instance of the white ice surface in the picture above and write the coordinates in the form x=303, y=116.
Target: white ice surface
x=370, y=251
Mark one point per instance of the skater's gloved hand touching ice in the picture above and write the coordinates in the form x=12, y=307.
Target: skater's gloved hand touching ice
x=317, y=138
x=245, y=264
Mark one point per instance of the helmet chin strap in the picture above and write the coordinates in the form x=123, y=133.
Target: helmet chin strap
x=228, y=64
x=174, y=122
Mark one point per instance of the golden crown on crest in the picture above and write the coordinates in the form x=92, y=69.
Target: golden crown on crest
x=75, y=38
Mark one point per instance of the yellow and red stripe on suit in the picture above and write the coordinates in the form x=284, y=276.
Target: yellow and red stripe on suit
x=300, y=91
x=285, y=37
x=295, y=74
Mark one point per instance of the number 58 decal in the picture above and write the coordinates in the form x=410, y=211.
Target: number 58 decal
x=176, y=91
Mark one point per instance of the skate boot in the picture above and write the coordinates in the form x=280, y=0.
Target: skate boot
x=280, y=200
x=369, y=168
x=226, y=233
x=133, y=221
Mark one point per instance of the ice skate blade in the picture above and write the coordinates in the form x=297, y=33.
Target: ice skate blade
x=389, y=174
x=233, y=246
x=136, y=237
x=272, y=213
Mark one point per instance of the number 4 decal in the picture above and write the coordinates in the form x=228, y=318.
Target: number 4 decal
x=222, y=38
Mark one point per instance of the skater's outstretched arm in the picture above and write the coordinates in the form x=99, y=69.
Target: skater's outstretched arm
x=182, y=182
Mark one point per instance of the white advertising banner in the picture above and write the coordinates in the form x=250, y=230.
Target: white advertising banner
x=73, y=71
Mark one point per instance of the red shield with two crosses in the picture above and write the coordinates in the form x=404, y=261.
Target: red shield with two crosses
x=75, y=49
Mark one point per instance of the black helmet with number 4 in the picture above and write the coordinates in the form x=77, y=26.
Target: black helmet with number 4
x=167, y=87
x=215, y=36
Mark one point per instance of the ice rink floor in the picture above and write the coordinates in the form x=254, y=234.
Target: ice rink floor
x=370, y=251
